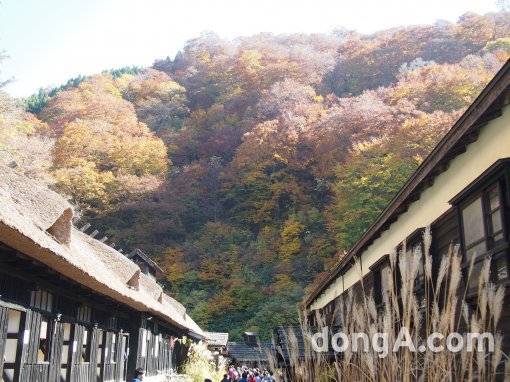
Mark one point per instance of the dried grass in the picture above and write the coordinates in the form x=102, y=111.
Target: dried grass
x=447, y=312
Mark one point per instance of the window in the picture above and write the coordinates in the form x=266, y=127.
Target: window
x=483, y=217
x=113, y=350
x=11, y=344
x=66, y=351
x=382, y=280
x=474, y=232
x=42, y=300
x=494, y=216
x=44, y=341
x=100, y=353
x=85, y=354
x=483, y=233
x=84, y=313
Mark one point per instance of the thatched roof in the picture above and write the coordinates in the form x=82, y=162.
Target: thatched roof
x=216, y=338
x=34, y=220
x=31, y=200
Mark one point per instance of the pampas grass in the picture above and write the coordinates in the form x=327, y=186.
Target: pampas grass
x=202, y=363
x=442, y=309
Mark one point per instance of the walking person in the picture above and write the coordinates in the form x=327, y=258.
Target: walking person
x=139, y=373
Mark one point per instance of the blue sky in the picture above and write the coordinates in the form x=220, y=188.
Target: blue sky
x=49, y=41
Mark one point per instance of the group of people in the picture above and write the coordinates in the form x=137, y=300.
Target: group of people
x=245, y=374
x=235, y=374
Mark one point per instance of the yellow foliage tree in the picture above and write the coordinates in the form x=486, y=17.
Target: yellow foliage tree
x=174, y=266
x=291, y=240
x=441, y=87
x=103, y=154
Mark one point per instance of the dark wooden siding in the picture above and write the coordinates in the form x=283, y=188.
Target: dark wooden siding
x=165, y=359
x=108, y=367
x=151, y=349
x=29, y=370
x=140, y=352
x=445, y=232
x=121, y=356
x=39, y=356
x=445, y=236
x=504, y=324
x=56, y=347
x=94, y=353
x=13, y=289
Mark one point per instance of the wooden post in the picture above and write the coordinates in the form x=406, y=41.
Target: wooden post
x=120, y=358
x=29, y=370
x=94, y=353
x=74, y=369
x=56, y=347
x=4, y=321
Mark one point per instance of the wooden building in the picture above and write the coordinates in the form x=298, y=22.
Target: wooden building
x=250, y=352
x=290, y=344
x=462, y=191
x=71, y=307
x=217, y=342
x=145, y=263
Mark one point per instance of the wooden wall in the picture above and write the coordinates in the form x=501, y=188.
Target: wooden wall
x=55, y=330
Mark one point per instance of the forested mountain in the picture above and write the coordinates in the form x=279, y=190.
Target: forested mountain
x=246, y=168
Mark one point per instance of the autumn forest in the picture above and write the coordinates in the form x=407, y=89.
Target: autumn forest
x=247, y=168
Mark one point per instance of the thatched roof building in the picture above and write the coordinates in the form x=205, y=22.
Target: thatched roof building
x=146, y=264
x=60, y=287
x=216, y=339
x=37, y=222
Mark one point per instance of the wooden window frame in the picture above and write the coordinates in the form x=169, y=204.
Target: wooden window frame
x=376, y=269
x=84, y=314
x=498, y=175
x=41, y=300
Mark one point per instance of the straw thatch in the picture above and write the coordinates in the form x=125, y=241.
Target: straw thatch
x=216, y=338
x=37, y=222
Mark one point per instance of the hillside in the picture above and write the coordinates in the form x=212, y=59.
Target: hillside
x=246, y=168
